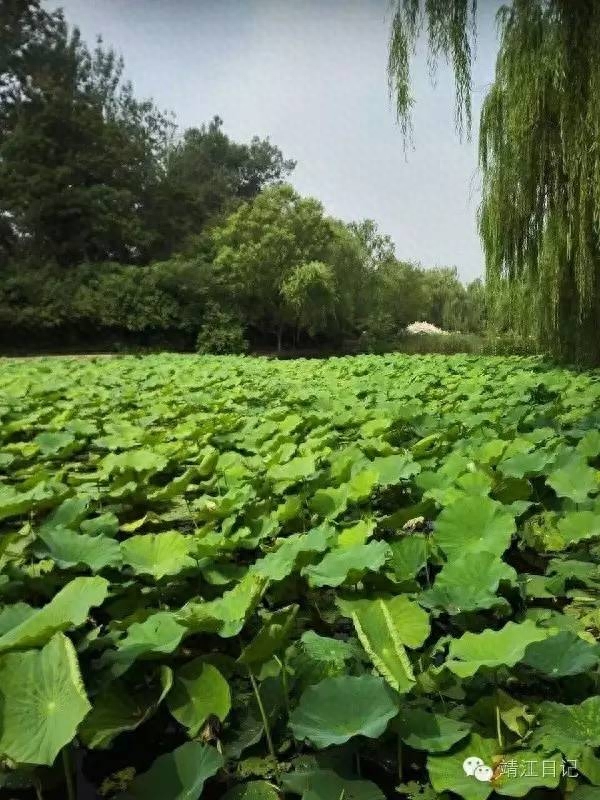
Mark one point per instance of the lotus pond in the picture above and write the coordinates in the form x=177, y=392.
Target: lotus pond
x=354, y=578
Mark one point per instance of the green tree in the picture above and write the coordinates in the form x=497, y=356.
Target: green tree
x=397, y=298
x=310, y=291
x=206, y=175
x=88, y=173
x=476, y=312
x=540, y=120
x=445, y=297
x=379, y=247
x=78, y=153
x=261, y=245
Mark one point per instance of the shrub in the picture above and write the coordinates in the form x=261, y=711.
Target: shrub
x=445, y=343
x=508, y=344
x=221, y=333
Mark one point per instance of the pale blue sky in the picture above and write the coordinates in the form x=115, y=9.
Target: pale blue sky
x=311, y=75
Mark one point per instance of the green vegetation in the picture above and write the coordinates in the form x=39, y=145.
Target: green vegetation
x=340, y=579
x=277, y=271
x=116, y=232
x=252, y=578
x=539, y=125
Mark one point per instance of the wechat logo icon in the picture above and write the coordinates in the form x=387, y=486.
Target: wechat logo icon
x=475, y=767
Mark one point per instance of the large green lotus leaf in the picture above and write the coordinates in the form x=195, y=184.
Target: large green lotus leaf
x=394, y=469
x=42, y=701
x=361, y=485
x=52, y=443
x=473, y=525
x=379, y=634
x=325, y=648
x=209, y=457
x=409, y=557
x=491, y=648
x=583, y=792
x=179, y=775
x=298, y=469
x=273, y=635
x=410, y=621
x=336, y=709
x=293, y=553
x=545, y=769
x=469, y=583
x=317, y=657
x=117, y=709
x=563, y=572
x=331, y=502
x=13, y=615
x=14, y=503
x=68, y=609
x=160, y=633
x=522, y=464
x=515, y=493
x=343, y=461
x=227, y=614
x=254, y=790
x=578, y=526
x=435, y=733
x=356, y=534
x=138, y=461
x=588, y=764
x=104, y=525
x=199, y=691
x=446, y=771
x=374, y=427
x=290, y=508
x=158, y=554
x=69, y=549
x=325, y=784
x=120, y=434
x=477, y=483
x=575, y=480
x=68, y=514
x=589, y=444
x=562, y=655
x=569, y=728
x=347, y=564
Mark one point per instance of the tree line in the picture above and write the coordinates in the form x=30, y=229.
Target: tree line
x=113, y=227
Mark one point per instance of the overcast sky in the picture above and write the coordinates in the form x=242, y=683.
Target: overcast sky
x=311, y=75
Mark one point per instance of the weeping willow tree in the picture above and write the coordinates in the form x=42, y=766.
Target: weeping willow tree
x=539, y=149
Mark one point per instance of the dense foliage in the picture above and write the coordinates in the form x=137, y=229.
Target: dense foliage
x=541, y=206
x=278, y=268
x=91, y=174
x=317, y=578
x=539, y=129
x=117, y=231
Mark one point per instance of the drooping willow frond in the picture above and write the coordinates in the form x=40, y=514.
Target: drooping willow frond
x=540, y=156
x=450, y=26
x=539, y=153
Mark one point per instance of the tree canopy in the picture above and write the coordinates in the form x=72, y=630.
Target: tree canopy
x=89, y=173
x=540, y=213
x=116, y=225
